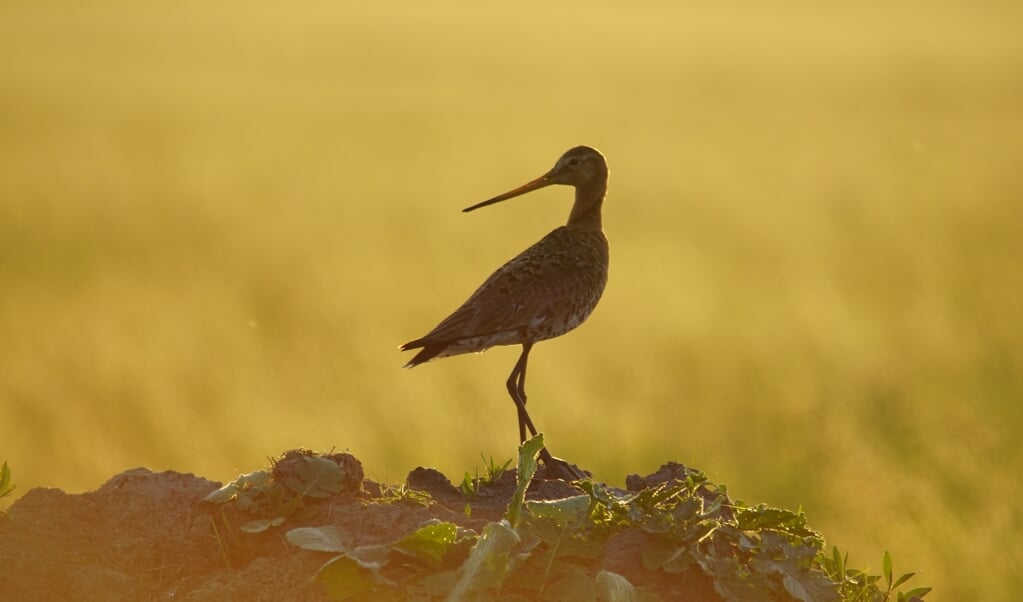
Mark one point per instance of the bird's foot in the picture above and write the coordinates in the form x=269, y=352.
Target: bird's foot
x=556, y=468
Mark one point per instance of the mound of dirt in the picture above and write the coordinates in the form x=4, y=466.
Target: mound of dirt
x=151, y=536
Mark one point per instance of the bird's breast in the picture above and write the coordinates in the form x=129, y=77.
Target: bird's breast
x=569, y=269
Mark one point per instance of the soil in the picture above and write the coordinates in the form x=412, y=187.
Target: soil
x=148, y=535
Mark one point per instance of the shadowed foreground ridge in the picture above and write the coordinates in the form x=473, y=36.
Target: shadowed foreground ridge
x=312, y=528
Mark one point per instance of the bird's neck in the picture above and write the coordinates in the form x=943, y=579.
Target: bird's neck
x=586, y=210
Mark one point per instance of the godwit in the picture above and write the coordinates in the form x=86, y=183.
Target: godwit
x=544, y=292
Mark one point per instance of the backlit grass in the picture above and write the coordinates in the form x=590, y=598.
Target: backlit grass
x=217, y=222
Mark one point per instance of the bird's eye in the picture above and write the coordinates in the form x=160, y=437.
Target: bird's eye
x=573, y=161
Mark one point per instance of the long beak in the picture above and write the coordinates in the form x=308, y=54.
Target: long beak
x=544, y=180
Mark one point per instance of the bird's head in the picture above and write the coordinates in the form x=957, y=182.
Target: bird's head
x=581, y=166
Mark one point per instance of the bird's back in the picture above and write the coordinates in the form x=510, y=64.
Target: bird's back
x=544, y=292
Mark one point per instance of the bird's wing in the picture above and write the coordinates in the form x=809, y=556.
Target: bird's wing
x=543, y=282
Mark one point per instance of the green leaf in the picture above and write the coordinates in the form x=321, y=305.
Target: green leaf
x=469, y=486
x=903, y=579
x=320, y=539
x=316, y=477
x=887, y=567
x=5, y=486
x=372, y=556
x=652, y=498
x=528, y=453
x=261, y=524
x=810, y=586
x=919, y=592
x=612, y=587
x=346, y=578
x=5, y=480
x=259, y=478
x=839, y=564
x=429, y=543
x=563, y=513
x=487, y=565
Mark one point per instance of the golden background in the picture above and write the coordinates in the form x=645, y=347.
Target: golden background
x=219, y=219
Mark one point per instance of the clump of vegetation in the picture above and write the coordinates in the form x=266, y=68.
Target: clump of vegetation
x=549, y=550
x=283, y=491
x=471, y=485
x=404, y=494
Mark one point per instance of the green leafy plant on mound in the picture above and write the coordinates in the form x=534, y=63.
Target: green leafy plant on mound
x=276, y=495
x=551, y=550
x=288, y=490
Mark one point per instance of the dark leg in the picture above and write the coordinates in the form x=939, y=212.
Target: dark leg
x=517, y=389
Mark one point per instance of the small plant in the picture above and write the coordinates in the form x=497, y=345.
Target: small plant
x=403, y=493
x=856, y=585
x=6, y=487
x=471, y=486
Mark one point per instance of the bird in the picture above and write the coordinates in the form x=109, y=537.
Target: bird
x=544, y=292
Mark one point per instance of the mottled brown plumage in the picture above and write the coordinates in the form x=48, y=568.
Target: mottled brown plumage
x=542, y=293
x=545, y=291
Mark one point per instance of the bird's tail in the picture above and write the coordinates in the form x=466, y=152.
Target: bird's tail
x=429, y=351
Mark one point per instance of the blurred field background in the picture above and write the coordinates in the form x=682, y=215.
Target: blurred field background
x=219, y=219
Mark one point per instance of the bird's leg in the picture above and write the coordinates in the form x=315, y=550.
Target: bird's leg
x=517, y=389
